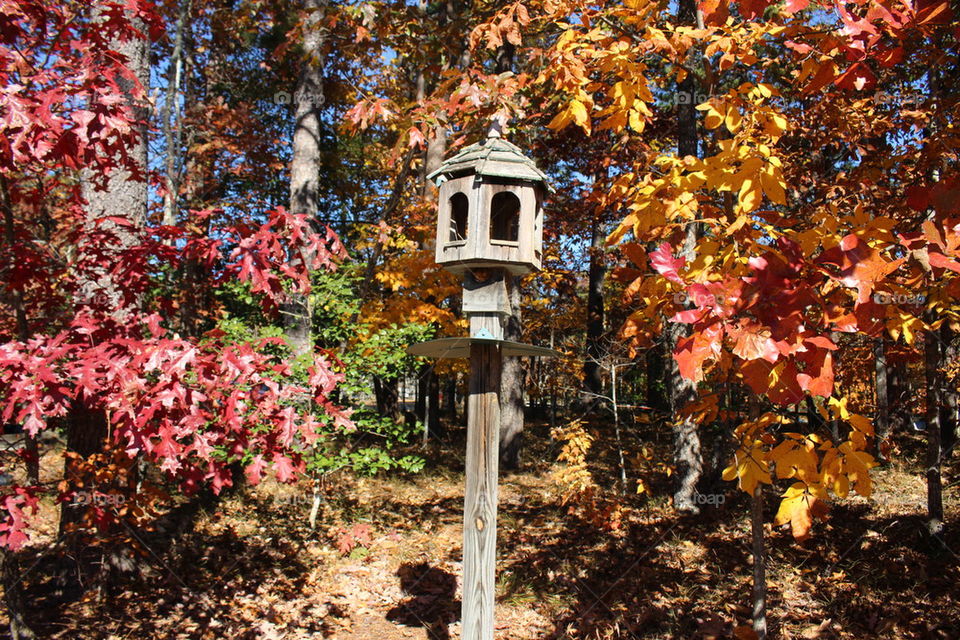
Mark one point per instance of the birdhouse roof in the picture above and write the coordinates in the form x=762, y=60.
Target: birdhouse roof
x=492, y=157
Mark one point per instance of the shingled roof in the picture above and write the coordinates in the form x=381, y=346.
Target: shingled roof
x=492, y=157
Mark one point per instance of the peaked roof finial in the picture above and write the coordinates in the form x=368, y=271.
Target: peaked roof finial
x=494, y=156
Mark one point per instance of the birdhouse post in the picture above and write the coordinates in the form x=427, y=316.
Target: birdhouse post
x=489, y=227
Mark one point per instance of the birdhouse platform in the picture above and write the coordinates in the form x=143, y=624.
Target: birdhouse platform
x=460, y=348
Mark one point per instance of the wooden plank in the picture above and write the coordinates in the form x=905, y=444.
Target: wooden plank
x=480, y=499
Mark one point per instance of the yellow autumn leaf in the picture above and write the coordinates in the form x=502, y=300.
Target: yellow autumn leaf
x=733, y=118
x=750, y=195
x=749, y=468
x=795, y=457
x=560, y=120
x=901, y=322
x=579, y=114
x=737, y=224
x=713, y=119
x=839, y=407
x=773, y=185
x=625, y=225
x=842, y=486
x=798, y=507
x=857, y=465
x=776, y=125
x=861, y=423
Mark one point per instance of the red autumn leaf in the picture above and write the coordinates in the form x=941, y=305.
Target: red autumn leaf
x=283, y=467
x=665, y=264
x=693, y=351
x=795, y=6
x=254, y=470
x=857, y=77
x=817, y=376
x=860, y=265
x=753, y=342
x=934, y=12
x=753, y=8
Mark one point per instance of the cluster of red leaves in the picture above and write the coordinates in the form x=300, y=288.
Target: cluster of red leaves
x=762, y=318
x=50, y=61
x=193, y=406
x=869, y=34
x=777, y=321
x=349, y=538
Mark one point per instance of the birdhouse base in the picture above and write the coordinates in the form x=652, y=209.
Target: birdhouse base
x=485, y=292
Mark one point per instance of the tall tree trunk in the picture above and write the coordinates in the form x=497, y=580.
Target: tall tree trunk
x=932, y=354
x=86, y=425
x=592, y=366
x=387, y=394
x=899, y=391
x=9, y=567
x=450, y=398
x=171, y=130
x=759, y=564
x=655, y=378
x=433, y=406
x=511, y=387
x=423, y=383
x=882, y=429
x=688, y=459
x=948, y=392
x=13, y=596
x=512, y=375
x=305, y=165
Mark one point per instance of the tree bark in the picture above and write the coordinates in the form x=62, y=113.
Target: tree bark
x=86, y=425
x=433, y=413
x=511, y=387
x=450, y=398
x=388, y=397
x=427, y=408
x=932, y=357
x=592, y=366
x=882, y=429
x=305, y=166
x=13, y=596
x=899, y=386
x=656, y=374
x=759, y=565
x=948, y=393
x=423, y=382
x=688, y=459
x=512, y=375
x=171, y=131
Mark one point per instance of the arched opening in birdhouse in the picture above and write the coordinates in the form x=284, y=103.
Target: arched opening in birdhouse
x=459, y=210
x=505, y=217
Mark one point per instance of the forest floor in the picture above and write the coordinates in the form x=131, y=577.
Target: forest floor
x=384, y=562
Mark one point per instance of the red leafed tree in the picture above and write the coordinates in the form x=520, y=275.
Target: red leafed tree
x=81, y=326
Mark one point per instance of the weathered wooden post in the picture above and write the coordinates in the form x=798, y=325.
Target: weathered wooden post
x=489, y=226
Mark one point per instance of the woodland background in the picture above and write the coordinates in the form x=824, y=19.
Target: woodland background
x=217, y=244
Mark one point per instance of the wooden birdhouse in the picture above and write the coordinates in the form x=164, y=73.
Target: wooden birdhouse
x=491, y=209
x=490, y=225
